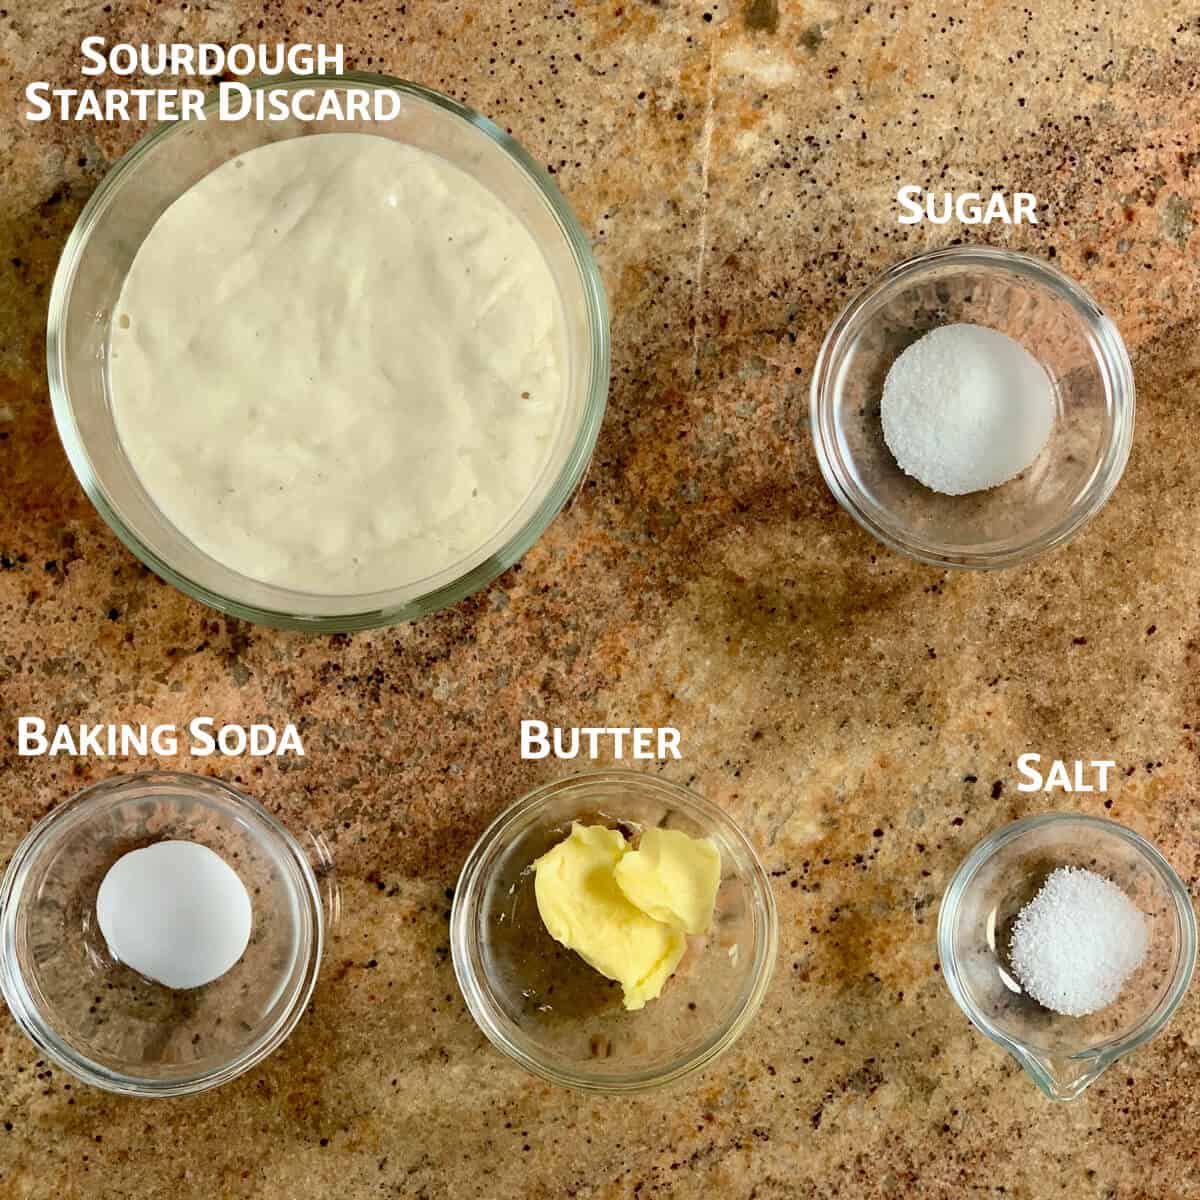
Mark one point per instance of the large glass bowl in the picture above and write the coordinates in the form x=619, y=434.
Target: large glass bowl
x=1059, y=324
x=101, y=248
x=102, y=1021
x=544, y=1007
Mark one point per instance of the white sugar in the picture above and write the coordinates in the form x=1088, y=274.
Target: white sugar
x=175, y=912
x=966, y=408
x=1076, y=942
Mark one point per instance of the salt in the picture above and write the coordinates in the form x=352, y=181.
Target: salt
x=175, y=912
x=1076, y=942
x=966, y=408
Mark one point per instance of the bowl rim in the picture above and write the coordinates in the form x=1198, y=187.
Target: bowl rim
x=468, y=893
x=1105, y=1052
x=102, y=794
x=1109, y=354
x=597, y=355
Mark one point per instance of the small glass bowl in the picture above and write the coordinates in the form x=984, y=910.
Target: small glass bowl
x=100, y=1020
x=1059, y=324
x=543, y=1006
x=1063, y=1055
x=113, y=225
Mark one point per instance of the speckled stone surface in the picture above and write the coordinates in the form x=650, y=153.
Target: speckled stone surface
x=859, y=714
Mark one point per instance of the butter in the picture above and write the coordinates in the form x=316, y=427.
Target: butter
x=673, y=878
x=586, y=908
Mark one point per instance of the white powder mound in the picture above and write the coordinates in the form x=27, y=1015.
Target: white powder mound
x=1076, y=942
x=966, y=408
x=175, y=912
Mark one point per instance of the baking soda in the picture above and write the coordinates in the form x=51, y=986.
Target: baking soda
x=966, y=408
x=176, y=912
x=1076, y=942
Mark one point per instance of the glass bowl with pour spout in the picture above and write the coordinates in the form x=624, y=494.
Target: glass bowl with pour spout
x=1063, y=1055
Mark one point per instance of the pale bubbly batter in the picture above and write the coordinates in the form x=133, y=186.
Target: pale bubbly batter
x=337, y=364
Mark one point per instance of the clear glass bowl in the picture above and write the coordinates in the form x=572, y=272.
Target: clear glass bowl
x=1059, y=324
x=543, y=1006
x=1063, y=1055
x=98, y=254
x=110, y=1026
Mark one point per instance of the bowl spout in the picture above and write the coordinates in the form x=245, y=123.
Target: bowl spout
x=1062, y=1077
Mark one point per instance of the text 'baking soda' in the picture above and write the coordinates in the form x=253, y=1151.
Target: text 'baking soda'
x=204, y=739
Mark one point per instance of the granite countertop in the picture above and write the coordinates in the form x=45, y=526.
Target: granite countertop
x=861, y=715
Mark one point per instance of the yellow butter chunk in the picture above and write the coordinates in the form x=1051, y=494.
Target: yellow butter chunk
x=583, y=908
x=673, y=878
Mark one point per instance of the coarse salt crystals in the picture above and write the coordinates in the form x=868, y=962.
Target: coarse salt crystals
x=1076, y=942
